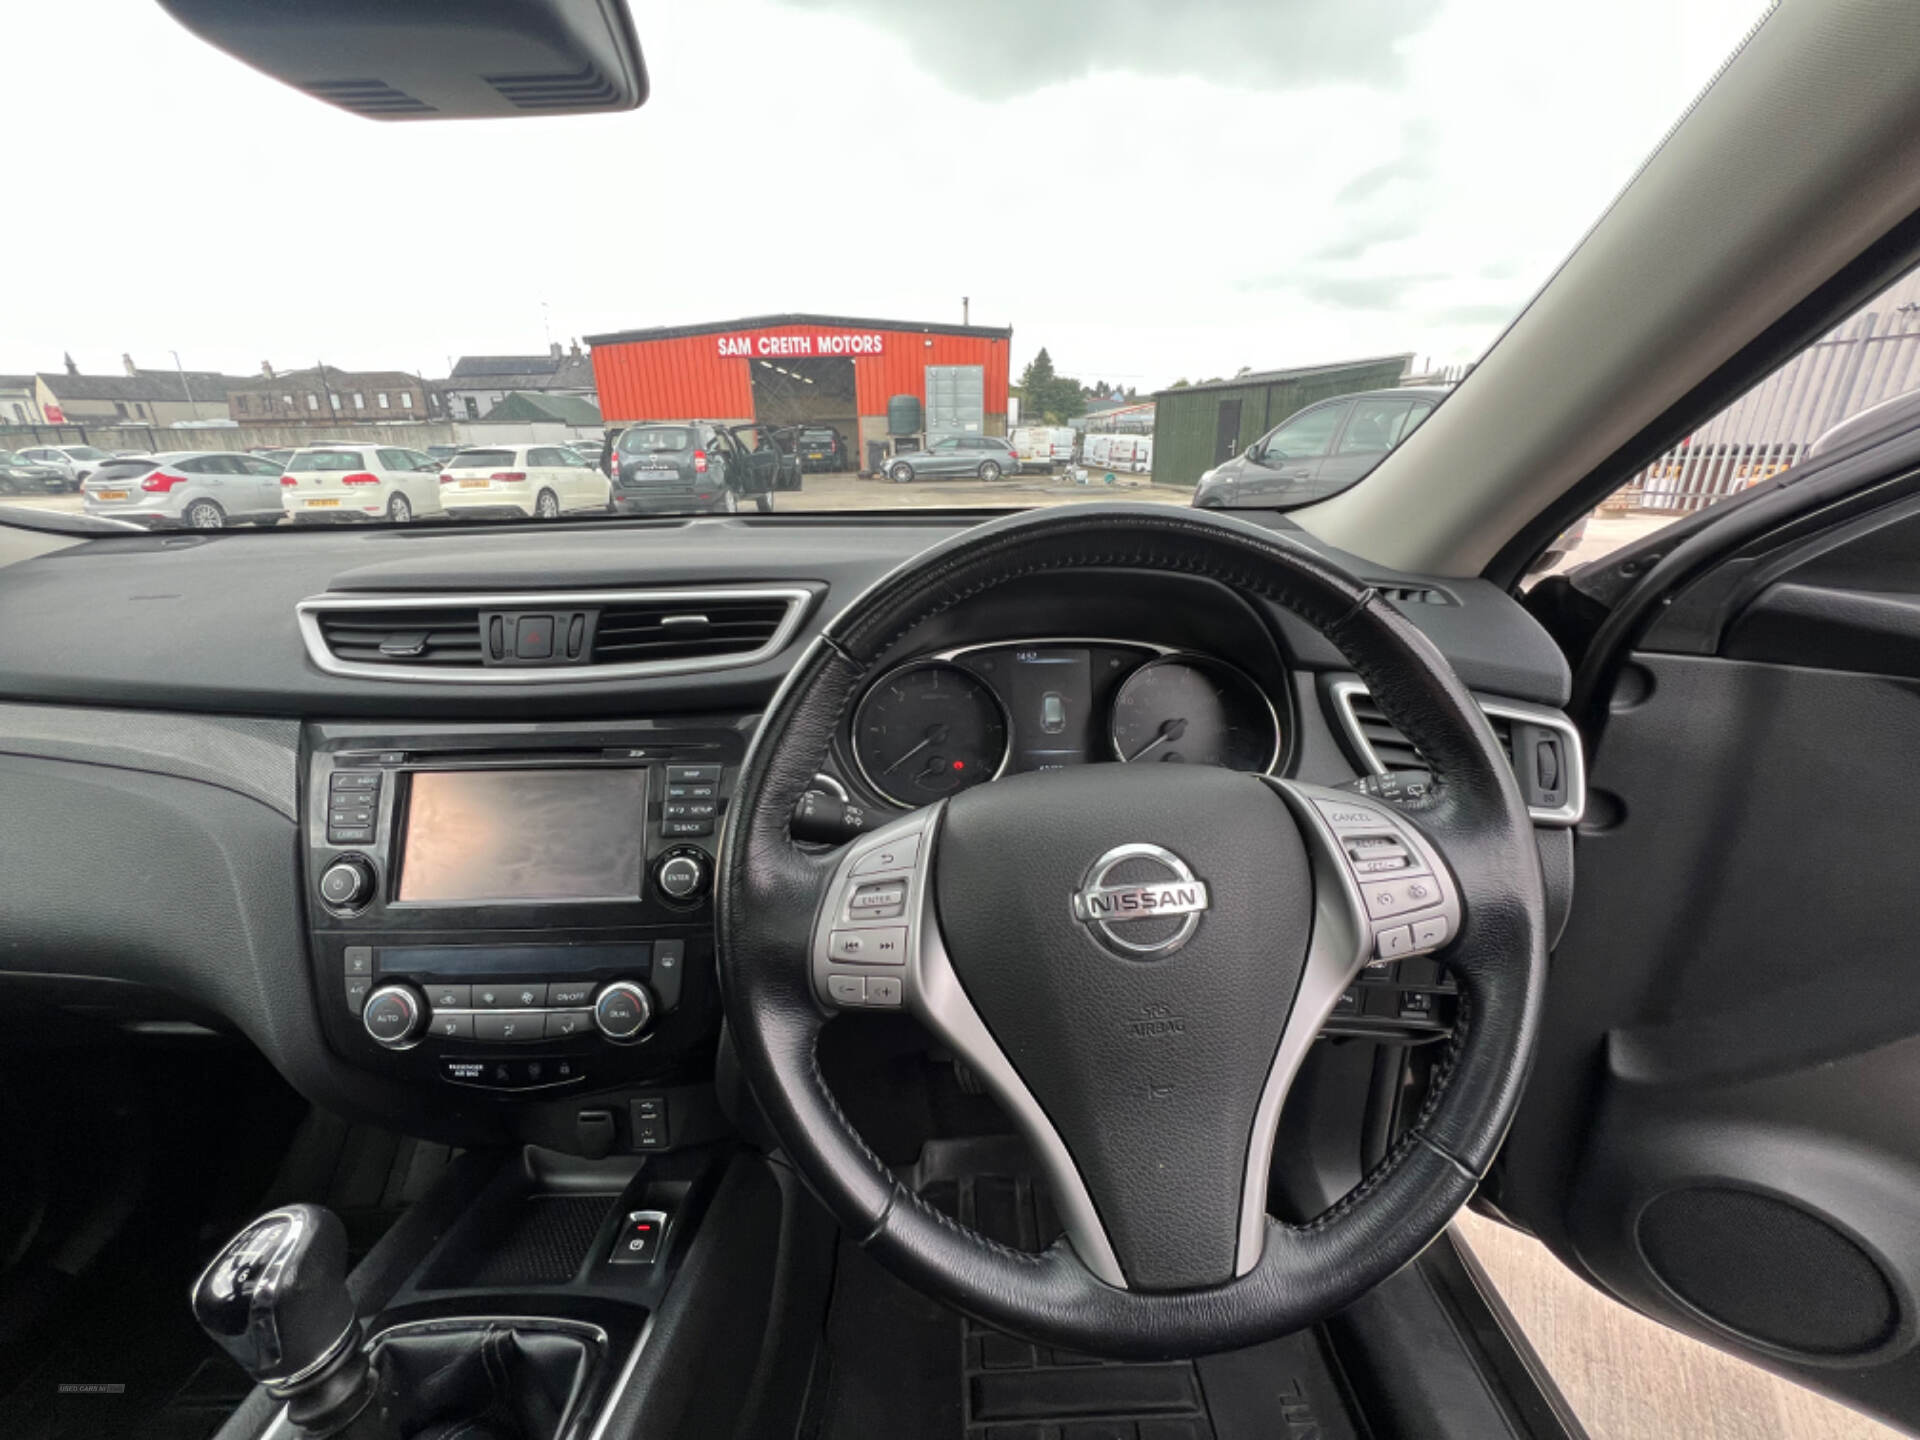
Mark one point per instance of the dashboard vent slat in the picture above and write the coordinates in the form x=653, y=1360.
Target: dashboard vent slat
x=634, y=632
x=663, y=630
x=441, y=637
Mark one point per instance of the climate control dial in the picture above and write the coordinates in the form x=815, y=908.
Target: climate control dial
x=394, y=1015
x=623, y=1009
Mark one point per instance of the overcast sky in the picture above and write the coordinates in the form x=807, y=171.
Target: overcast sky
x=1149, y=190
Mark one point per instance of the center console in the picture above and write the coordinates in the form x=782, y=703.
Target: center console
x=521, y=912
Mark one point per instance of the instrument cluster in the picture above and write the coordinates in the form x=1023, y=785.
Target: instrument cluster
x=936, y=725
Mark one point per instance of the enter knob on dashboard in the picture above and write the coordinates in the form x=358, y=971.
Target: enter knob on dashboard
x=394, y=1014
x=622, y=1009
x=347, y=883
x=683, y=873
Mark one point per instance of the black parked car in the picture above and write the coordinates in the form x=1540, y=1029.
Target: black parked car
x=24, y=477
x=821, y=447
x=693, y=465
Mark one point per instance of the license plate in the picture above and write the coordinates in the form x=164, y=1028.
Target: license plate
x=816, y=455
x=321, y=504
x=109, y=494
x=475, y=484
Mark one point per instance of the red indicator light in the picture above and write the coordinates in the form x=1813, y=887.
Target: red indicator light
x=959, y=764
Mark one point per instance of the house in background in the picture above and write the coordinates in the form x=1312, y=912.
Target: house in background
x=139, y=397
x=326, y=395
x=480, y=382
x=18, y=405
x=525, y=406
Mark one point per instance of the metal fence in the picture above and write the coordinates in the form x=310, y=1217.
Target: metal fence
x=1871, y=356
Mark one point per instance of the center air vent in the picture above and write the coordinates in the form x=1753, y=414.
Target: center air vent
x=446, y=638
x=681, y=630
x=432, y=636
x=1541, y=744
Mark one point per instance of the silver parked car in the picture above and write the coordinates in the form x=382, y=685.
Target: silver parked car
x=988, y=456
x=76, y=462
x=190, y=489
x=1318, y=451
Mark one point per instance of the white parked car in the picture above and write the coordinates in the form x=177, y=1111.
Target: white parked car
x=76, y=461
x=194, y=489
x=360, y=482
x=522, y=481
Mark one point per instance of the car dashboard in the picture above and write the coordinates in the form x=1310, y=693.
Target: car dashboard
x=430, y=818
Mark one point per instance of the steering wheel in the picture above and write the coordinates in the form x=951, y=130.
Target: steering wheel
x=1135, y=959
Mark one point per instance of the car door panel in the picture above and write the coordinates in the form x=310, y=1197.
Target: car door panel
x=1723, y=1126
x=1283, y=462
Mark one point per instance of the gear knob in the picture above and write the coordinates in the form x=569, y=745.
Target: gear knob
x=276, y=1298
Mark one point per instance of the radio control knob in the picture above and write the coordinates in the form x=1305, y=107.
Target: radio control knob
x=394, y=1014
x=347, y=883
x=622, y=1009
x=683, y=874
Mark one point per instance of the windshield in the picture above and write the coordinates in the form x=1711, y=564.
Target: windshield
x=1213, y=254
x=326, y=461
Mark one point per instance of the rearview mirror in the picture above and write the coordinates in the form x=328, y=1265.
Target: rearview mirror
x=435, y=59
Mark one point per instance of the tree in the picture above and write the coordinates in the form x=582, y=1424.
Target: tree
x=1046, y=395
x=1182, y=383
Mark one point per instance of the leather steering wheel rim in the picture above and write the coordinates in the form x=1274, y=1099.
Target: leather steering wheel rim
x=770, y=892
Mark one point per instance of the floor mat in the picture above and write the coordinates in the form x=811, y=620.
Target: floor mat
x=901, y=1365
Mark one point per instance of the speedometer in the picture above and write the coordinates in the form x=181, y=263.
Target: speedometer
x=926, y=730
x=1191, y=709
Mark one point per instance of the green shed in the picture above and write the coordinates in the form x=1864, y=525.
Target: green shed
x=1195, y=427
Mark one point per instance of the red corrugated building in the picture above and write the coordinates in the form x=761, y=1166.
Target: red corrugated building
x=807, y=369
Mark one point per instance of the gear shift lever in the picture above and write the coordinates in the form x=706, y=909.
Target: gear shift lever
x=276, y=1300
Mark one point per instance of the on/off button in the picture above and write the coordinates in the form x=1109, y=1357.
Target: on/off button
x=881, y=945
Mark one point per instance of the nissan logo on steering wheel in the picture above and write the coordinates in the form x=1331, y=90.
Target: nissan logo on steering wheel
x=1147, y=890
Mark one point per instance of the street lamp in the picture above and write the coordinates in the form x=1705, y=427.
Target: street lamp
x=186, y=390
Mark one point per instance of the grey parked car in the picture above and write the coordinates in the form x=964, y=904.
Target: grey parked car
x=190, y=489
x=988, y=456
x=1318, y=451
x=77, y=462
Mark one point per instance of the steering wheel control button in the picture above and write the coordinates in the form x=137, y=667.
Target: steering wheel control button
x=1393, y=941
x=623, y=1010
x=569, y=994
x=878, y=900
x=565, y=1024
x=347, y=883
x=881, y=945
x=1396, y=897
x=669, y=965
x=1430, y=933
x=883, y=990
x=900, y=854
x=451, y=1027
x=393, y=1015
x=847, y=989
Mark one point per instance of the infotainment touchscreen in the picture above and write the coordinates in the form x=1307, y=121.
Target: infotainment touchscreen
x=480, y=836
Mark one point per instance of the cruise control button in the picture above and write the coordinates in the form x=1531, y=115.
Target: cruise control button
x=1396, y=940
x=1345, y=815
x=451, y=1027
x=884, y=945
x=566, y=994
x=899, y=855
x=563, y=1023
x=1396, y=897
x=1430, y=932
x=847, y=989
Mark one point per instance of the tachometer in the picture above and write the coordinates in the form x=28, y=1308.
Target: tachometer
x=928, y=729
x=1189, y=709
